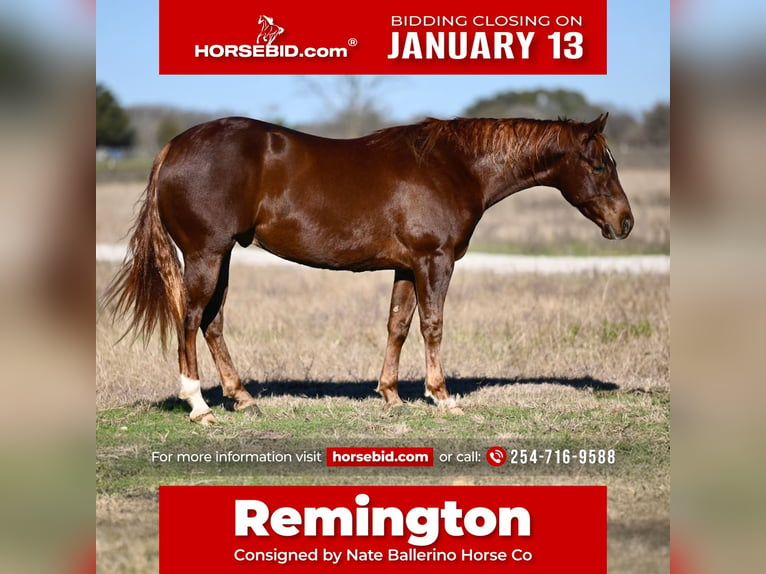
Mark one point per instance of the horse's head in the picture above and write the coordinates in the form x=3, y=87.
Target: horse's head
x=587, y=178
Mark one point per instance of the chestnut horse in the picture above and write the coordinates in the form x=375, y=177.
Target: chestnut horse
x=405, y=198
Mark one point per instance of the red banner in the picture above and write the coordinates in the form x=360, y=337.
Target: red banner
x=437, y=37
x=549, y=529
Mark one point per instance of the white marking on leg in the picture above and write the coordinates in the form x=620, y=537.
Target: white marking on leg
x=448, y=403
x=192, y=394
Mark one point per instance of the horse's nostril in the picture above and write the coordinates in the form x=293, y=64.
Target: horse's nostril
x=627, y=224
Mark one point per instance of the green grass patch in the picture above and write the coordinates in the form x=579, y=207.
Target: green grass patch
x=607, y=331
x=634, y=425
x=619, y=331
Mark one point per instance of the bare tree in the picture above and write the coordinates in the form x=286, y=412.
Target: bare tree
x=350, y=103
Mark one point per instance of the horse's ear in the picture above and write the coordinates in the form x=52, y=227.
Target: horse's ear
x=597, y=126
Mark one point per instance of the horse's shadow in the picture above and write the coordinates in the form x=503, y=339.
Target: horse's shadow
x=409, y=390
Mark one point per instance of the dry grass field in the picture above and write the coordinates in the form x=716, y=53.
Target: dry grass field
x=572, y=361
x=316, y=327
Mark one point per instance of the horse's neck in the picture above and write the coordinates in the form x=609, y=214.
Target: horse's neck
x=522, y=173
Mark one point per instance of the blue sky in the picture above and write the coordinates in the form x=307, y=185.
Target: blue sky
x=127, y=62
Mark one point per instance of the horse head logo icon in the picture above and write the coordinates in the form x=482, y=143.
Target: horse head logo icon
x=269, y=30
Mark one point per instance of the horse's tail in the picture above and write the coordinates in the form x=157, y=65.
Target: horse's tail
x=149, y=286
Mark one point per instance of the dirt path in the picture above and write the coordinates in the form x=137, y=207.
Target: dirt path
x=503, y=264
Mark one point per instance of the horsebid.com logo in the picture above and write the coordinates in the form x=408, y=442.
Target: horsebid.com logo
x=264, y=46
x=269, y=30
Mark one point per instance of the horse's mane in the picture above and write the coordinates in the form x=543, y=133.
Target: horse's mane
x=504, y=140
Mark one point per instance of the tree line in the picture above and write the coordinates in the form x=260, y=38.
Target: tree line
x=352, y=111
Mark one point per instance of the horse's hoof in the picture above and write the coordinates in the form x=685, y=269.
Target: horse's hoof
x=449, y=405
x=393, y=404
x=248, y=407
x=204, y=419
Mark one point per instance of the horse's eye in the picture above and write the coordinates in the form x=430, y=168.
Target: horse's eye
x=598, y=168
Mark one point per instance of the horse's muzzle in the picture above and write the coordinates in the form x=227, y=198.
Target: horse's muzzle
x=626, y=227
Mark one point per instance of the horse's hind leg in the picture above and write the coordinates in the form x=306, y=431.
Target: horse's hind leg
x=403, y=303
x=212, y=327
x=201, y=272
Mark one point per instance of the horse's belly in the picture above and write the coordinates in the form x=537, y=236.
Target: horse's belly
x=353, y=250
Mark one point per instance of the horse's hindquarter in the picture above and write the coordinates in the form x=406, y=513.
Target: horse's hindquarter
x=207, y=183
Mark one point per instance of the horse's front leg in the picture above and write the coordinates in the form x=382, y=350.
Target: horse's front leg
x=403, y=302
x=432, y=277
